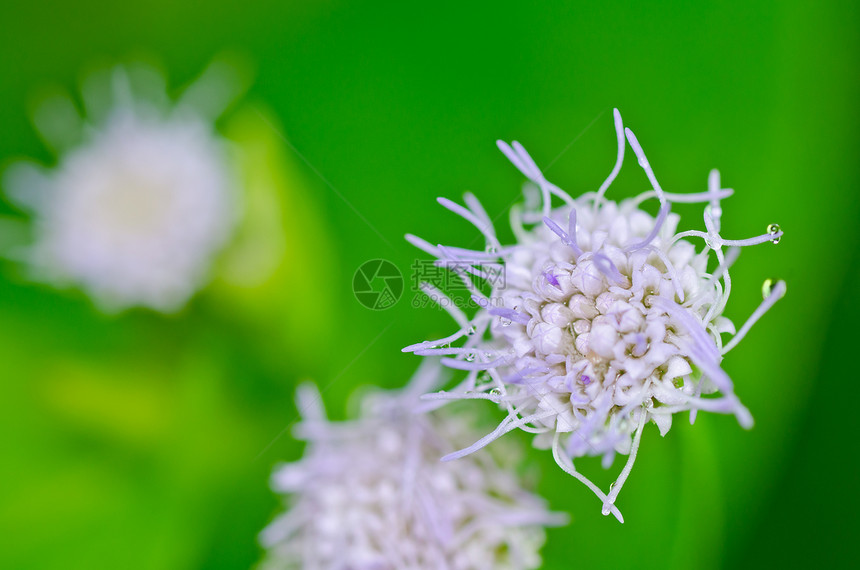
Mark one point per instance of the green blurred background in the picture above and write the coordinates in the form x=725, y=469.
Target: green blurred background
x=141, y=441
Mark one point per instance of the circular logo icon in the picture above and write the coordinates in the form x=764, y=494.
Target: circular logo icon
x=377, y=284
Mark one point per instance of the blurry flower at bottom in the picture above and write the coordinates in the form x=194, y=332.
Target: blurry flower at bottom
x=372, y=493
x=141, y=198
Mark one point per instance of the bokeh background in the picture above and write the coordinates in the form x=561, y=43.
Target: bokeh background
x=143, y=441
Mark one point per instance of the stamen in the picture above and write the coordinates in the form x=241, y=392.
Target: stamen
x=434, y=343
x=619, y=133
x=514, y=158
x=731, y=256
x=547, y=187
x=446, y=303
x=447, y=260
x=566, y=464
x=520, y=377
x=475, y=205
x=715, y=241
x=507, y=425
x=566, y=239
x=462, y=365
x=518, y=155
x=527, y=166
x=478, y=256
x=661, y=217
x=605, y=266
x=713, y=190
x=631, y=459
x=449, y=350
x=423, y=245
x=309, y=403
x=692, y=198
x=670, y=269
x=694, y=328
x=776, y=294
x=516, y=316
x=452, y=396
x=571, y=225
x=486, y=229
x=646, y=166
x=461, y=270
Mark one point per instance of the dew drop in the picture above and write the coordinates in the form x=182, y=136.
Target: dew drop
x=470, y=357
x=495, y=392
x=767, y=287
x=471, y=331
x=774, y=229
x=491, y=250
x=505, y=322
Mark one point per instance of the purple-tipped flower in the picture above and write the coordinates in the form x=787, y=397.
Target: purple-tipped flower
x=372, y=494
x=608, y=317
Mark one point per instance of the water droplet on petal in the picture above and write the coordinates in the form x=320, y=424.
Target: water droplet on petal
x=495, y=392
x=505, y=322
x=470, y=357
x=491, y=250
x=471, y=331
x=774, y=229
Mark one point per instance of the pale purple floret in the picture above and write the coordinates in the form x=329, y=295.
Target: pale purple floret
x=550, y=277
x=601, y=327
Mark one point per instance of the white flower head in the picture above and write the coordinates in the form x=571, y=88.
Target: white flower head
x=607, y=317
x=141, y=198
x=371, y=493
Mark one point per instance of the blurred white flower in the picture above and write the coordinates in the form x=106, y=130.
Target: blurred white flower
x=141, y=198
x=605, y=318
x=371, y=493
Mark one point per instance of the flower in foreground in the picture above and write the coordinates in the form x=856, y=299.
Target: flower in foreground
x=140, y=199
x=607, y=317
x=371, y=493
